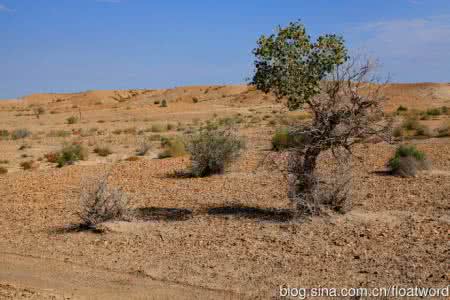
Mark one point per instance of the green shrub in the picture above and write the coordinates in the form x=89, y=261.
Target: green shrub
x=213, y=150
x=173, y=147
x=71, y=153
x=284, y=139
x=407, y=161
x=72, y=120
x=103, y=150
x=434, y=112
x=445, y=110
x=163, y=103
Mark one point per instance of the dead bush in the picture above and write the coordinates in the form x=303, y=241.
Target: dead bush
x=143, y=147
x=101, y=203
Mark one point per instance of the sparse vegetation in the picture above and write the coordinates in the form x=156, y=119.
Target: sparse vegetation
x=163, y=103
x=213, y=150
x=284, y=139
x=407, y=161
x=59, y=133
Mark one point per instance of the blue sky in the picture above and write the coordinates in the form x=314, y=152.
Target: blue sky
x=75, y=45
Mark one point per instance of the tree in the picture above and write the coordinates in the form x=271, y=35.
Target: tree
x=341, y=93
x=38, y=111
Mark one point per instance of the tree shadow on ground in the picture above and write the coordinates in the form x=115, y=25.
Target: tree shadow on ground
x=162, y=214
x=262, y=214
x=76, y=228
x=382, y=173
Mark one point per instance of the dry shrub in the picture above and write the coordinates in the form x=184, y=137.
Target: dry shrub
x=173, y=147
x=103, y=150
x=158, y=128
x=72, y=120
x=101, y=203
x=444, y=131
x=29, y=165
x=143, y=147
x=213, y=150
x=52, y=157
x=20, y=134
x=3, y=170
x=407, y=161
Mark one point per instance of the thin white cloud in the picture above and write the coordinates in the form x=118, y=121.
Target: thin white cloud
x=4, y=8
x=425, y=38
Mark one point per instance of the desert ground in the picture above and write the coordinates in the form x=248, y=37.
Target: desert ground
x=228, y=236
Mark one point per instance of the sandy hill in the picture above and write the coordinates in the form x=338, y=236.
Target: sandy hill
x=417, y=96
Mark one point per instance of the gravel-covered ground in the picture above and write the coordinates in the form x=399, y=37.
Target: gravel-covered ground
x=233, y=232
